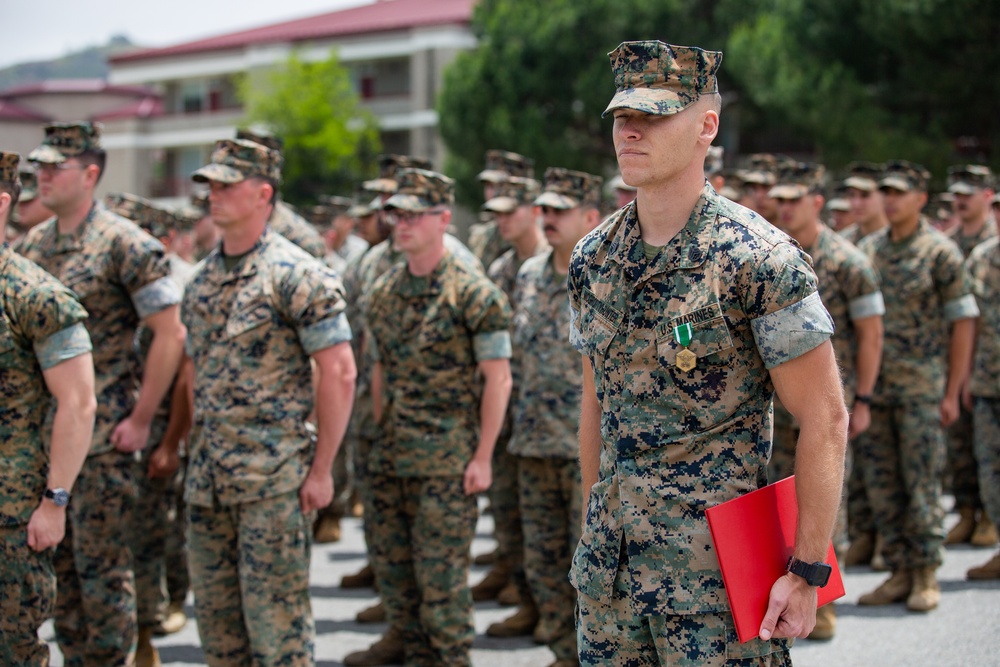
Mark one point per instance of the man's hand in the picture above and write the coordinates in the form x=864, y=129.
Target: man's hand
x=47, y=526
x=478, y=476
x=316, y=492
x=791, y=609
x=130, y=435
x=949, y=411
x=163, y=463
x=861, y=419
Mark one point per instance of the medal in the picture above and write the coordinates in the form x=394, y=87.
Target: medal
x=685, y=360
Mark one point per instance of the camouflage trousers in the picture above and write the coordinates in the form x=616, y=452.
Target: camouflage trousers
x=986, y=419
x=505, y=502
x=859, y=511
x=961, y=462
x=149, y=546
x=95, y=601
x=421, y=530
x=551, y=513
x=250, y=575
x=178, y=582
x=902, y=456
x=27, y=598
x=610, y=634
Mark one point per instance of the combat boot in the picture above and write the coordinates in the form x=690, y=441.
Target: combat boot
x=373, y=614
x=509, y=596
x=961, y=532
x=175, y=620
x=861, y=550
x=488, y=558
x=522, y=623
x=327, y=529
x=826, y=624
x=985, y=534
x=492, y=583
x=146, y=654
x=926, y=594
x=386, y=651
x=365, y=578
x=989, y=570
x=894, y=589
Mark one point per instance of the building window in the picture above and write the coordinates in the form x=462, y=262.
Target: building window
x=382, y=78
x=192, y=97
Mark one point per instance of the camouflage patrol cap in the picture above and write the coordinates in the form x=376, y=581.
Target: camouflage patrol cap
x=904, y=176
x=320, y=216
x=66, y=140
x=966, y=179
x=421, y=189
x=29, y=184
x=512, y=193
x=200, y=200
x=501, y=165
x=863, y=176
x=618, y=183
x=838, y=204
x=151, y=217
x=235, y=160
x=763, y=168
x=661, y=79
x=797, y=180
x=187, y=215
x=9, y=161
x=714, y=160
x=363, y=205
x=565, y=189
x=272, y=141
x=388, y=165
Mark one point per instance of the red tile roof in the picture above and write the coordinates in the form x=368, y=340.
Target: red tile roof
x=53, y=86
x=144, y=108
x=382, y=16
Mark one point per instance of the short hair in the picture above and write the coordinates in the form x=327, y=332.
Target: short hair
x=13, y=189
x=94, y=156
x=274, y=187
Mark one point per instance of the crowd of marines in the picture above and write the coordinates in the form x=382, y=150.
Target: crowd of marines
x=230, y=378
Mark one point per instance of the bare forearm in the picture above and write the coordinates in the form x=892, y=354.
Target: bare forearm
x=164, y=357
x=334, y=399
x=819, y=472
x=72, y=431
x=960, y=347
x=590, y=433
x=179, y=424
x=492, y=410
x=868, y=359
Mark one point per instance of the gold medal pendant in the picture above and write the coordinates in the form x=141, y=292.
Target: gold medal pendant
x=686, y=360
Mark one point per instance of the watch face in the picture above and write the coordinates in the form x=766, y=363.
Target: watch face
x=59, y=497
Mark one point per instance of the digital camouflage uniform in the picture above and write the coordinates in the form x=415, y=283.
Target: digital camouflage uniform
x=926, y=290
x=251, y=333
x=546, y=415
x=675, y=442
x=967, y=180
x=121, y=275
x=430, y=333
x=504, y=493
x=984, y=267
x=40, y=326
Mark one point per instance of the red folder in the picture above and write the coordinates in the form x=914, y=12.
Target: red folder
x=754, y=535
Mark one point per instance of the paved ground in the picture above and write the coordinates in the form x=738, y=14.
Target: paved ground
x=963, y=631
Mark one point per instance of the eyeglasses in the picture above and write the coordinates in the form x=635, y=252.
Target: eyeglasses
x=51, y=168
x=397, y=217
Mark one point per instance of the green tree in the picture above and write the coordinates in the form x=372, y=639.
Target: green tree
x=330, y=141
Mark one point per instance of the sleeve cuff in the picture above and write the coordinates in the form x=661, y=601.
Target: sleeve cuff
x=575, y=338
x=961, y=308
x=325, y=334
x=493, y=345
x=865, y=306
x=63, y=345
x=154, y=297
x=792, y=331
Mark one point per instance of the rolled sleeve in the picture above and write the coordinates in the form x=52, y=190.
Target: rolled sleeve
x=491, y=345
x=325, y=334
x=63, y=345
x=868, y=305
x=575, y=337
x=964, y=307
x=154, y=297
x=792, y=331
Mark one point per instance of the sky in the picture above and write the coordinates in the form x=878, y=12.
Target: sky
x=44, y=29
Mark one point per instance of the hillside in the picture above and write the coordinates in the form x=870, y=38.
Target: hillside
x=89, y=63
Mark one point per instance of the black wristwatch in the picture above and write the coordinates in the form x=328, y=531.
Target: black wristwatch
x=863, y=398
x=815, y=574
x=59, y=497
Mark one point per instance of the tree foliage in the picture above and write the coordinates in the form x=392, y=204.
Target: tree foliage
x=840, y=79
x=330, y=141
